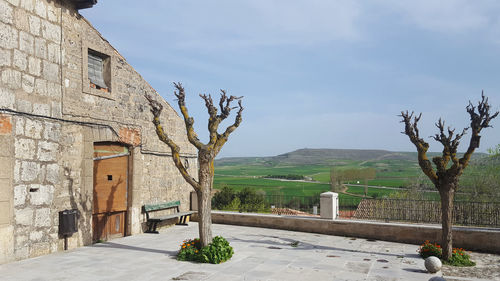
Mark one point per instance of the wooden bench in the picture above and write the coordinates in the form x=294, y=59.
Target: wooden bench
x=153, y=221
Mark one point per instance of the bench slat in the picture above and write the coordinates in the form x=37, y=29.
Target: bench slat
x=171, y=216
x=166, y=205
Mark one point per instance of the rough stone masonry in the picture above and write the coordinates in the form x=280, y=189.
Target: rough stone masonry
x=51, y=116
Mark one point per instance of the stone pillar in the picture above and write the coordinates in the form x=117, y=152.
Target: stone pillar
x=329, y=205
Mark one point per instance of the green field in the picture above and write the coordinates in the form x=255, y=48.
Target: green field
x=390, y=173
x=398, y=174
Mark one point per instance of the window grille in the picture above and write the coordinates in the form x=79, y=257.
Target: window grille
x=96, y=76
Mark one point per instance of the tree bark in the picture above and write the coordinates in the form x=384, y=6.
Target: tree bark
x=447, y=194
x=205, y=175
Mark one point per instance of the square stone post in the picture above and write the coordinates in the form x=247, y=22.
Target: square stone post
x=329, y=205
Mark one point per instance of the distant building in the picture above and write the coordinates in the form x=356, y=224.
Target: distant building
x=75, y=133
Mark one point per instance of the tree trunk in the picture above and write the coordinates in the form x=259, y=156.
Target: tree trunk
x=206, y=175
x=204, y=217
x=447, y=193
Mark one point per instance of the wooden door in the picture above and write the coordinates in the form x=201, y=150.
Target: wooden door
x=110, y=191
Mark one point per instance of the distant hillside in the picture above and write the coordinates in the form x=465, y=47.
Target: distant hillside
x=324, y=156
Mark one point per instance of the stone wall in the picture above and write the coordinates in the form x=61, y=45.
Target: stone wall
x=50, y=119
x=470, y=238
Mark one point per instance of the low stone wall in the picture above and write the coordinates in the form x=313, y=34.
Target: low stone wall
x=478, y=239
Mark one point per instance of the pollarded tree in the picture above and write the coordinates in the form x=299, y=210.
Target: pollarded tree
x=446, y=175
x=206, y=152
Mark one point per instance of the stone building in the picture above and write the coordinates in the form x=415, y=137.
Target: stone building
x=75, y=133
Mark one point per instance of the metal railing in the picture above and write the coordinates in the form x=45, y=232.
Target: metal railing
x=417, y=211
x=428, y=211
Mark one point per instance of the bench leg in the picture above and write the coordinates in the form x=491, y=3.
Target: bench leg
x=152, y=227
x=182, y=220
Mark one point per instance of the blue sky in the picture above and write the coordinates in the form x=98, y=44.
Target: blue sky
x=316, y=74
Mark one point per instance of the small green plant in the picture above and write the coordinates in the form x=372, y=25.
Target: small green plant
x=458, y=258
x=428, y=249
x=216, y=252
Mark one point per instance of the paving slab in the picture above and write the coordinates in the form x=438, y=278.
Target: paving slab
x=260, y=254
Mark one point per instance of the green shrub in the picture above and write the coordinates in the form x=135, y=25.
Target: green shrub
x=250, y=201
x=223, y=198
x=428, y=249
x=233, y=206
x=216, y=252
x=458, y=258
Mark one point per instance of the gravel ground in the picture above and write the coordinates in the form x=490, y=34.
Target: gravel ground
x=487, y=267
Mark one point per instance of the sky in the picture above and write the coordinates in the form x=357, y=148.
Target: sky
x=316, y=74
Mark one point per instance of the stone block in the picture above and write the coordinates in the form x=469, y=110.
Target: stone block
x=21, y=253
x=28, y=83
x=8, y=36
x=24, y=216
x=5, y=58
x=6, y=12
x=21, y=20
x=41, y=194
x=29, y=171
x=5, y=125
x=53, y=14
x=28, y=5
x=40, y=48
x=20, y=193
x=36, y=235
x=20, y=60
x=7, y=98
x=35, y=68
x=5, y=212
x=39, y=249
x=41, y=9
x=11, y=78
x=54, y=53
x=17, y=171
x=25, y=149
x=41, y=109
x=35, y=24
x=52, y=174
x=50, y=71
x=47, y=151
x=33, y=128
x=42, y=217
x=54, y=90
x=6, y=243
x=6, y=167
x=51, y=31
x=5, y=188
x=24, y=106
x=52, y=131
x=56, y=109
x=19, y=121
x=26, y=42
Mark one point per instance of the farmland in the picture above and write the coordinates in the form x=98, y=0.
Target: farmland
x=394, y=170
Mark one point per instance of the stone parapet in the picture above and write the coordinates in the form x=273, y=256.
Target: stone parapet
x=470, y=238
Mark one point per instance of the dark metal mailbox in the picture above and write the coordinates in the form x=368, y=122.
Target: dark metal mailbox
x=68, y=222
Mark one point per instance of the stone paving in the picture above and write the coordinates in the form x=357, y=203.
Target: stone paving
x=260, y=254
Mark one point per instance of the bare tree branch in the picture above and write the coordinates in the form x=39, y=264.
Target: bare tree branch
x=237, y=121
x=156, y=109
x=478, y=121
x=188, y=121
x=411, y=130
